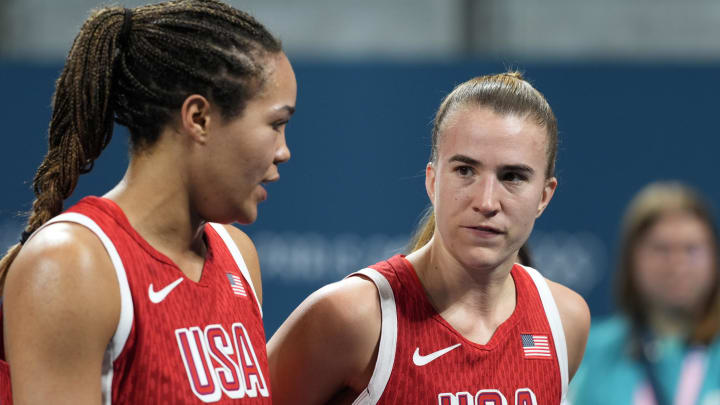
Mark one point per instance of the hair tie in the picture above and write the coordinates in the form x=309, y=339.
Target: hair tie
x=24, y=237
x=124, y=38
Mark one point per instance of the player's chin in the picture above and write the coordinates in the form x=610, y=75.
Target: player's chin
x=481, y=258
x=248, y=214
x=242, y=212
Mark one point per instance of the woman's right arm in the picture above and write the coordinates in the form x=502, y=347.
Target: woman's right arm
x=327, y=348
x=61, y=306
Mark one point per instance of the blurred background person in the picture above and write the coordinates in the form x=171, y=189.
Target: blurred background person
x=662, y=347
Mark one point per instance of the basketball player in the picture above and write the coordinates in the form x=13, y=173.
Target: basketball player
x=456, y=321
x=142, y=296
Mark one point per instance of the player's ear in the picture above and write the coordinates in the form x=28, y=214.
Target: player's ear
x=195, y=117
x=430, y=182
x=548, y=192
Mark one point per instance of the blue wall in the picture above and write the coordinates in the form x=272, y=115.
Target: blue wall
x=353, y=190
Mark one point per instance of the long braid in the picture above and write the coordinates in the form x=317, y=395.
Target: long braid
x=81, y=123
x=136, y=67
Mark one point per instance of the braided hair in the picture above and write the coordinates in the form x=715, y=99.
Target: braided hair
x=136, y=67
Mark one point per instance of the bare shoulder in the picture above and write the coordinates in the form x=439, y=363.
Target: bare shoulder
x=347, y=311
x=575, y=316
x=350, y=302
x=250, y=256
x=61, y=305
x=334, y=332
x=59, y=259
x=241, y=239
x=573, y=308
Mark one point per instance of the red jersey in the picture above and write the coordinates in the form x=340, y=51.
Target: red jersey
x=178, y=341
x=423, y=360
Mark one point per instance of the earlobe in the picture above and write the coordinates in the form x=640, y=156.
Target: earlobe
x=430, y=182
x=195, y=117
x=548, y=192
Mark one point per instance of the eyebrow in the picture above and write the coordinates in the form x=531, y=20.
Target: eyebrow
x=290, y=109
x=464, y=159
x=472, y=162
x=520, y=168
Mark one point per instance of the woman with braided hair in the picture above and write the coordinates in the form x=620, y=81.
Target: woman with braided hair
x=141, y=295
x=457, y=320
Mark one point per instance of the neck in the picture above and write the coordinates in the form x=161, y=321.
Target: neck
x=473, y=300
x=664, y=323
x=153, y=195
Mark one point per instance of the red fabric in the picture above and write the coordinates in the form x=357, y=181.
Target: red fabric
x=471, y=373
x=5, y=392
x=204, y=318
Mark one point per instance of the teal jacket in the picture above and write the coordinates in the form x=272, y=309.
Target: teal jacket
x=610, y=375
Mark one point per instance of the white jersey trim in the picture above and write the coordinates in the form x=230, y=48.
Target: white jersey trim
x=553, y=317
x=235, y=252
x=388, y=339
x=122, y=331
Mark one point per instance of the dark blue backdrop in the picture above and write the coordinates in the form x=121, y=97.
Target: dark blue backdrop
x=353, y=190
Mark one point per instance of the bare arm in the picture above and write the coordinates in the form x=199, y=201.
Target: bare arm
x=250, y=256
x=575, y=316
x=61, y=307
x=327, y=347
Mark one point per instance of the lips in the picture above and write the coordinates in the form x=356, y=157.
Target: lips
x=487, y=229
x=272, y=179
x=484, y=233
x=263, y=194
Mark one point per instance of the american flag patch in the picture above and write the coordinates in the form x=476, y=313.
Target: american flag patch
x=236, y=284
x=535, y=345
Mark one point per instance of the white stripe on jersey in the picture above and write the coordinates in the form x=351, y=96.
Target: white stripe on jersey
x=388, y=339
x=122, y=331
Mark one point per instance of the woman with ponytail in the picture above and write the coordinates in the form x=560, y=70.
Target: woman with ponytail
x=142, y=295
x=457, y=320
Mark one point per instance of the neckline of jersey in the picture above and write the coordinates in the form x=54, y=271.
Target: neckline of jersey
x=500, y=333
x=118, y=215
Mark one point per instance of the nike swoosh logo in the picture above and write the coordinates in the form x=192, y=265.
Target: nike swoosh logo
x=423, y=360
x=158, y=296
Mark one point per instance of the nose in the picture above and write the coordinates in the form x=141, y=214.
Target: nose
x=282, y=152
x=486, y=201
